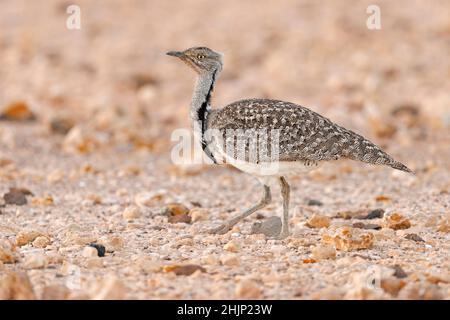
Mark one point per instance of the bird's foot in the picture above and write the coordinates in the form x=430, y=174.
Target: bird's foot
x=222, y=229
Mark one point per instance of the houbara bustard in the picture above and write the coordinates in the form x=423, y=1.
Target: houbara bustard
x=304, y=139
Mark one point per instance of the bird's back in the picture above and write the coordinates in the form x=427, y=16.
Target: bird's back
x=304, y=135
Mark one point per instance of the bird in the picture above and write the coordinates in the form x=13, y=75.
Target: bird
x=300, y=139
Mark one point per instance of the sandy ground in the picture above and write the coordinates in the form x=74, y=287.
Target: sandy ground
x=85, y=128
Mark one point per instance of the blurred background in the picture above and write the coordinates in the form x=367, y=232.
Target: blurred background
x=109, y=83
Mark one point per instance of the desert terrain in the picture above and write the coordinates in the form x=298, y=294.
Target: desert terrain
x=93, y=207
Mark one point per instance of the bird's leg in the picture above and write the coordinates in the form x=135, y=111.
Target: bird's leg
x=285, y=192
x=225, y=227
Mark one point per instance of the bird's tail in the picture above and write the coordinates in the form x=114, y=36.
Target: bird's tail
x=400, y=166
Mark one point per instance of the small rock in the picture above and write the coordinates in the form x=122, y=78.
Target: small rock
x=61, y=125
x=396, y=221
x=41, y=242
x=100, y=249
x=178, y=213
x=35, y=261
x=318, y=221
x=231, y=246
x=79, y=140
x=17, y=196
x=414, y=237
x=369, y=226
x=25, y=237
x=89, y=252
x=248, y=289
x=176, y=209
x=399, y=272
x=349, y=214
x=312, y=202
x=184, y=270
x=373, y=214
x=17, y=111
x=321, y=252
x=348, y=239
x=131, y=213
x=271, y=227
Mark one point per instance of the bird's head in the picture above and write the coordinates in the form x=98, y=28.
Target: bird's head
x=201, y=59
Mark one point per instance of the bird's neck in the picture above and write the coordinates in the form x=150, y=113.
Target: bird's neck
x=201, y=101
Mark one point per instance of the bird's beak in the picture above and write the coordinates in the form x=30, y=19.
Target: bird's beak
x=177, y=54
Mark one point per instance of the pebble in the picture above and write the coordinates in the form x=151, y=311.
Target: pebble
x=373, y=214
x=368, y=226
x=414, y=237
x=270, y=227
x=312, y=202
x=399, y=272
x=348, y=239
x=100, y=249
x=17, y=196
x=131, y=213
x=25, y=237
x=396, y=221
x=318, y=221
x=41, y=242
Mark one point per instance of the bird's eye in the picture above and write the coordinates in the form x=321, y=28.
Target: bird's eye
x=200, y=56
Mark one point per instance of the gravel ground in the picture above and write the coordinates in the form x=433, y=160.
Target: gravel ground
x=94, y=208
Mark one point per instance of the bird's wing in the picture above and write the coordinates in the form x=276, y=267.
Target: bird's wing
x=304, y=135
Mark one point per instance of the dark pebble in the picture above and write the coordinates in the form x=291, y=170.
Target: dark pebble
x=312, y=202
x=373, y=214
x=369, y=226
x=17, y=196
x=399, y=272
x=100, y=249
x=414, y=237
